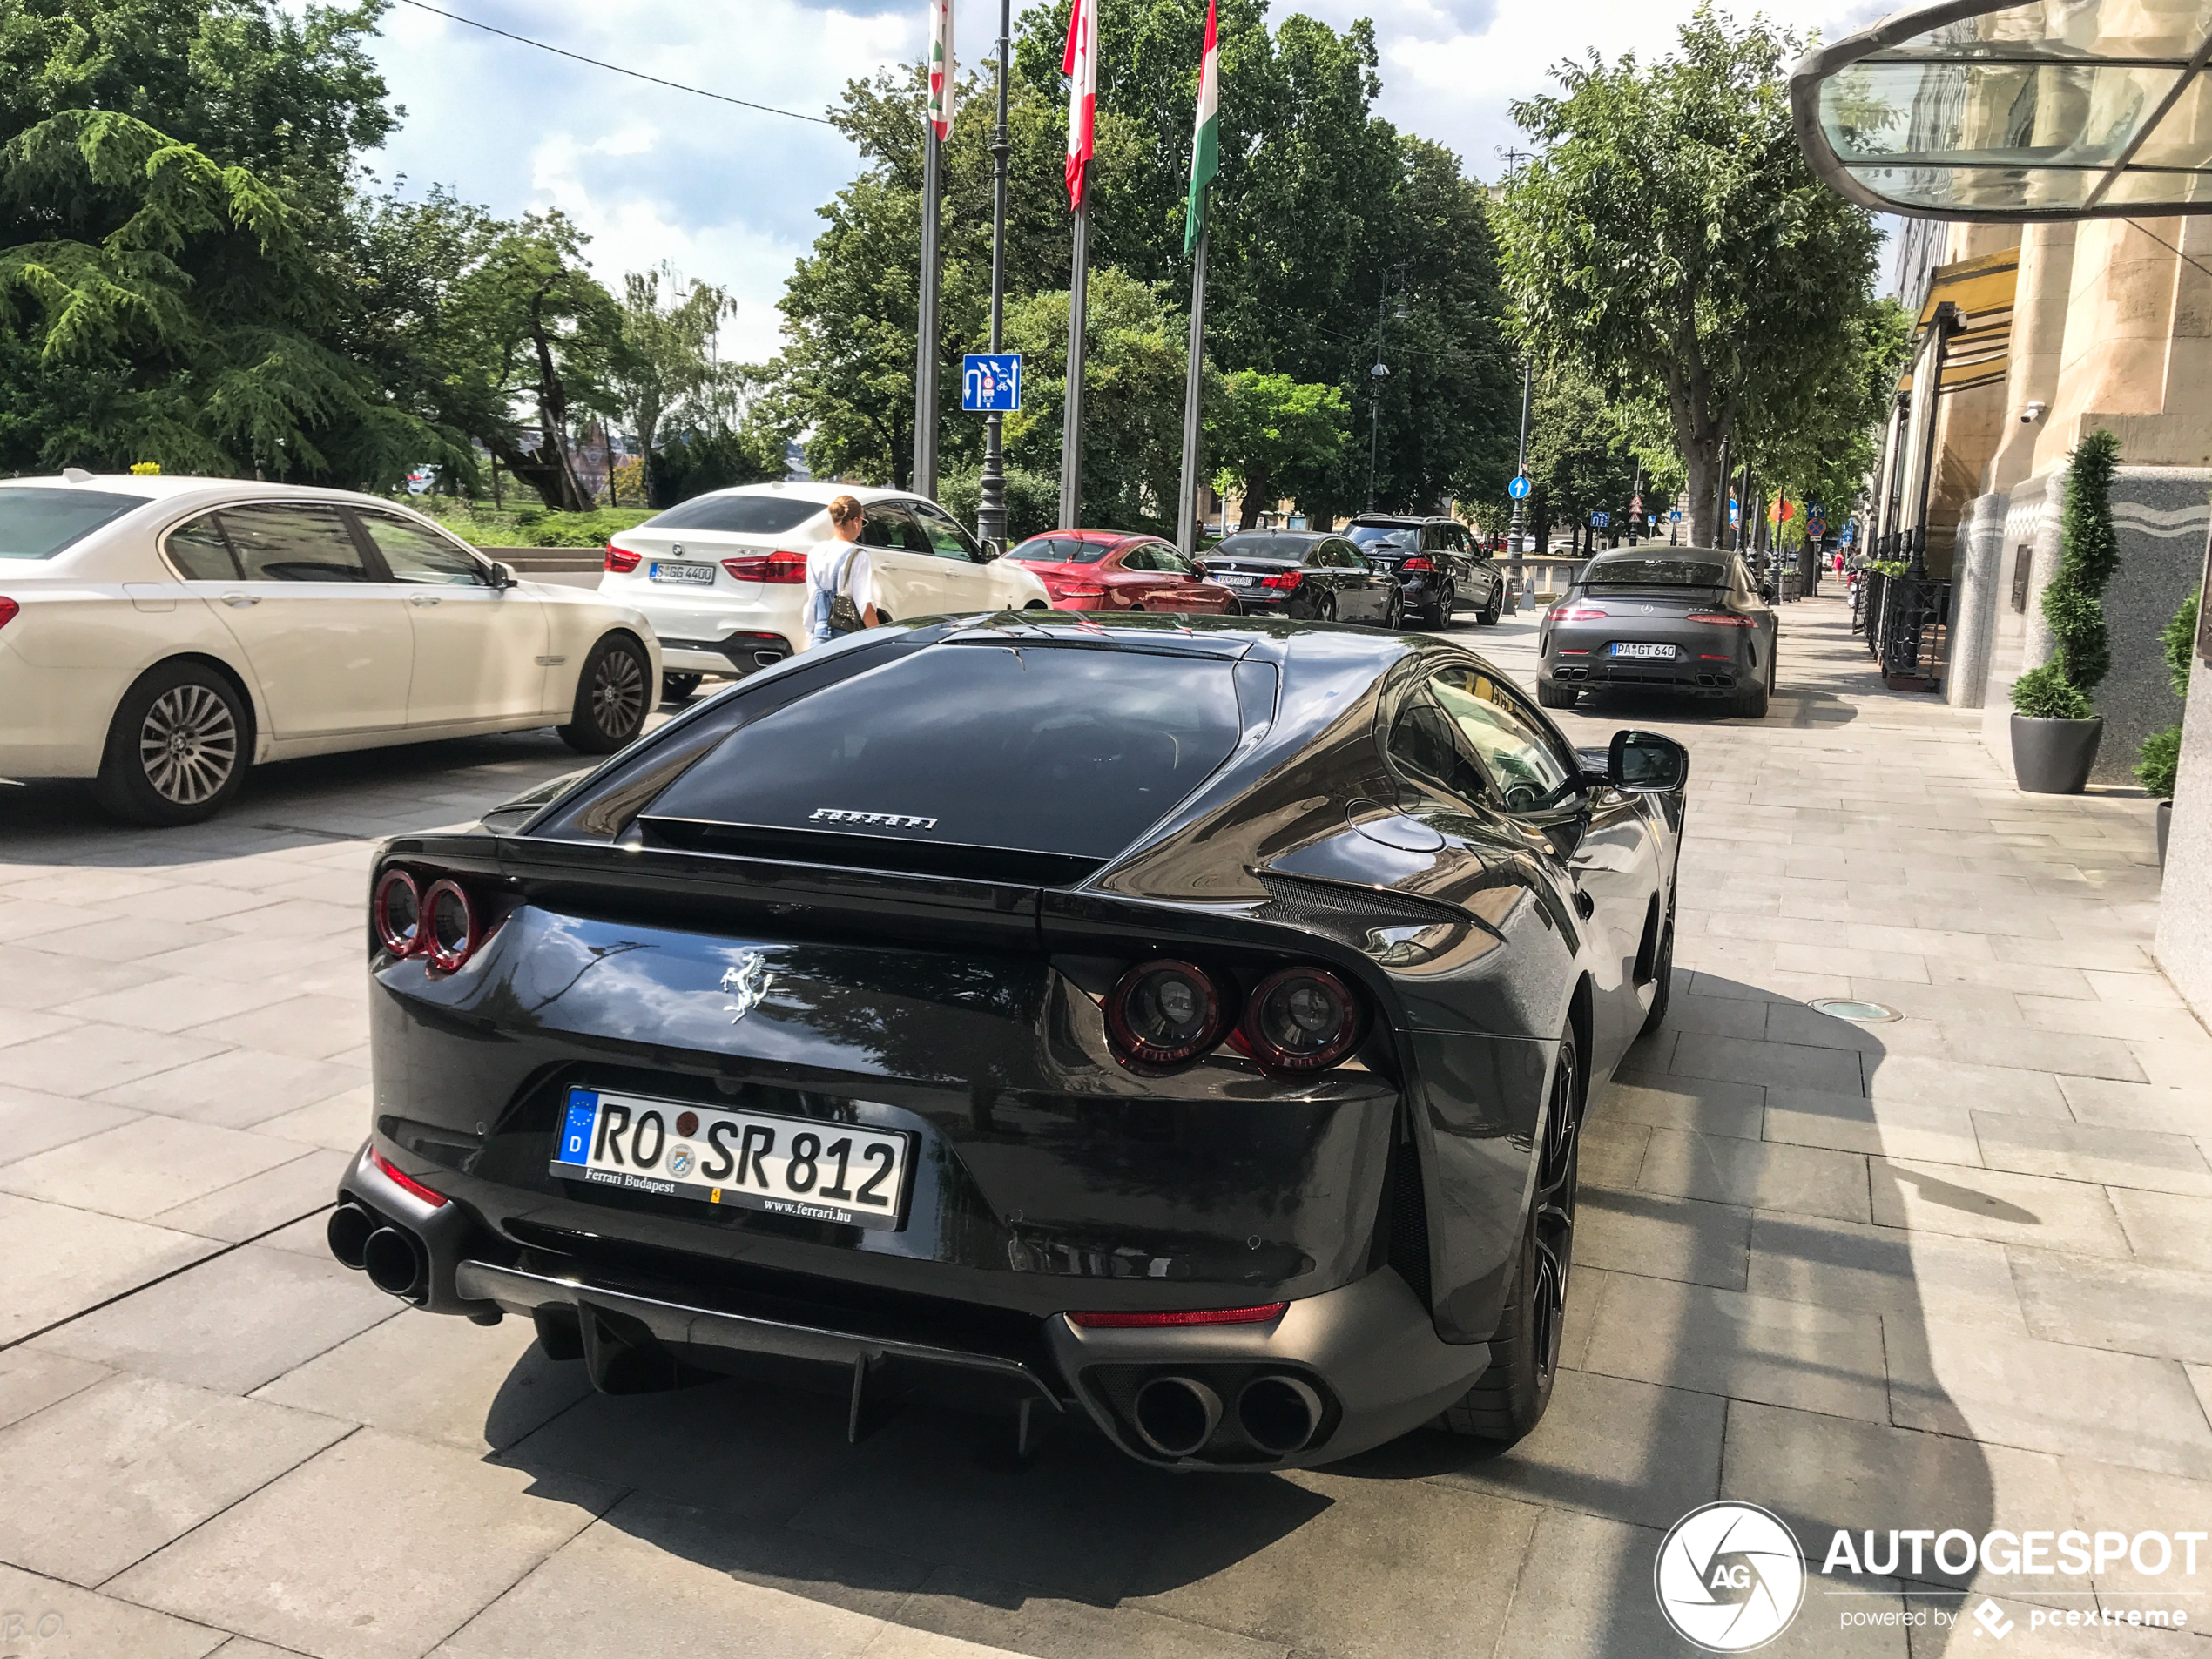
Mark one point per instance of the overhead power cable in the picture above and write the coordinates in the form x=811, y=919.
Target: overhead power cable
x=634, y=74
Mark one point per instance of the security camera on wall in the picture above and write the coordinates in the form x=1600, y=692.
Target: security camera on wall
x=2033, y=412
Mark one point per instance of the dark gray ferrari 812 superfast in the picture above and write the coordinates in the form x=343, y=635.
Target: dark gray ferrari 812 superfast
x=1180, y=1027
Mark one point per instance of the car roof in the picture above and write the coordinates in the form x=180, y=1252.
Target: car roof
x=1108, y=537
x=1285, y=536
x=821, y=492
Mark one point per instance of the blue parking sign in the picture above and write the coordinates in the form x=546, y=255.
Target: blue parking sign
x=990, y=382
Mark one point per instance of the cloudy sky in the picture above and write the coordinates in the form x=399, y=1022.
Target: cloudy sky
x=730, y=195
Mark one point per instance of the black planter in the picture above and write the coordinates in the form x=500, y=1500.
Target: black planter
x=2165, y=827
x=2053, y=757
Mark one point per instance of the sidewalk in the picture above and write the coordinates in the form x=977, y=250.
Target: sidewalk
x=1953, y=1270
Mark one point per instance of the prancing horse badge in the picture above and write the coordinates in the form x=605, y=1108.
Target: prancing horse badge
x=745, y=982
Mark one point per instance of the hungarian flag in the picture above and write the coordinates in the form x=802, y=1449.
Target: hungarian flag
x=941, y=66
x=1206, y=149
x=1080, y=64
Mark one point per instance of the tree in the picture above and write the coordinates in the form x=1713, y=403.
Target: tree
x=1580, y=459
x=2073, y=602
x=667, y=348
x=1272, y=436
x=1670, y=241
x=536, y=329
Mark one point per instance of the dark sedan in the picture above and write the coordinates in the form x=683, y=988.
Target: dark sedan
x=1177, y=1026
x=1308, y=574
x=1439, y=567
x=1687, y=620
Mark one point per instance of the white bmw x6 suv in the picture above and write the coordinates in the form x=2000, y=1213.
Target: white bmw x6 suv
x=722, y=577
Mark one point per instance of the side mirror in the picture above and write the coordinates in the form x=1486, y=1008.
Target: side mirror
x=1643, y=763
x=502, y=574
x=990, y=550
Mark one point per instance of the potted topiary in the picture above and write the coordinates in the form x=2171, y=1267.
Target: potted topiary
x=2055, y=727
x=2161, y=756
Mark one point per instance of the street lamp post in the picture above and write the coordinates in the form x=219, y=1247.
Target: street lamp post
x=1393, y=280
x=1513, y=159
x=990, y=514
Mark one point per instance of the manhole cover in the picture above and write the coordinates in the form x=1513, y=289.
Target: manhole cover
x=1864, y=1013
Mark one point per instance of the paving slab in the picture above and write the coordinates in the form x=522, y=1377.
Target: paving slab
x=279, y=1309
x=2125, y=1307
x=1650, y=1233
x=443, y=1380
x=144, y=1166
x=238, y=1088
x=2039, y=1212
x=1701, y=1105
x=62, y=1620
x=32, y=1380
x=1922, y=1276
x=55, y=1262
x=975, y=1608
x=2052, y=1397
x=2117, y=1157
x=31, y=1122
x=2169, y=1229
x=1760, y=1175
x=429, y=1537
x=108, y=1475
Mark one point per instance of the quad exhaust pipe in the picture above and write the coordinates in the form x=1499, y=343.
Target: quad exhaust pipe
x=396, y=1262
x=1176, y=1416
x=1279, y=1414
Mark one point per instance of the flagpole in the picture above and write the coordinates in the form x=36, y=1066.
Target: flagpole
x=990, y=512
x=1186, y=537
x=925, y=468
x=1071, y=431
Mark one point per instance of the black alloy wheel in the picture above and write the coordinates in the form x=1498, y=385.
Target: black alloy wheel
x=177, y=749
x=1508, y=1399
x=1394, y=617
x=1447, y=601
x=1487, y=617
x=1324, y=608
x=610, y=701
x=679, y=688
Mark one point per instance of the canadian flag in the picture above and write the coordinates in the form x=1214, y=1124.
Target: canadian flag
x=1080, y=64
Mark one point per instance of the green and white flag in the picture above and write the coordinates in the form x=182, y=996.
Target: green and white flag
x=1206, y=150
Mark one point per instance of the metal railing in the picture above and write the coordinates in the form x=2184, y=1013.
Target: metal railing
x=1906, y=620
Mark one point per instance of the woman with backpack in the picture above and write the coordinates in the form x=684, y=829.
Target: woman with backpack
x=840, y=583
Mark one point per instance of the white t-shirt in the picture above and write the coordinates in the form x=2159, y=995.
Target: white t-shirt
x=822, y=566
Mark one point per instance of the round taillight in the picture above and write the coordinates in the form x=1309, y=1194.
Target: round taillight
x=1165, y=1013
x=450, y=921
x=397, y=911
x=1301, y=1019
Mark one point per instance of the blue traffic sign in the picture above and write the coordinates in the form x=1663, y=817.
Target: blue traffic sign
x=990, y=382
x=1813, y=510
x=1602, y=520
x=1518, y=488
x=1674, y=516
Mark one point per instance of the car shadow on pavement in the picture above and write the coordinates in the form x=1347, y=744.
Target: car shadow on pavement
x=1742, y=1328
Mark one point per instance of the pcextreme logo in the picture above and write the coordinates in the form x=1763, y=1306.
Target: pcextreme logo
x=1729, y=1577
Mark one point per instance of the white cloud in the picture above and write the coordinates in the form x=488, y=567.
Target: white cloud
x=729, y=195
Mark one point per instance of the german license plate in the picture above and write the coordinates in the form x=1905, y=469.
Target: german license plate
x=697, y=575
x=1625, y=648
x=788, y=1166
x=1234, y=581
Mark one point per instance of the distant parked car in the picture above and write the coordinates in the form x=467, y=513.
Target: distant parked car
x=1115, y=571
x=159, y=635
x=1440, y=567
x=723, y=575
x=1681, y=619
x=1309, y=574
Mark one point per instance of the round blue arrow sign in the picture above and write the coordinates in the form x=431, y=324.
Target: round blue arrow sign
x=1518, y=488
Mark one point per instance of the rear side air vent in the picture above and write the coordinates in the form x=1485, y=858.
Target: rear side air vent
x=1348, y=913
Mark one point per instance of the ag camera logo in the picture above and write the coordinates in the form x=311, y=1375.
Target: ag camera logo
x=1729, y=1577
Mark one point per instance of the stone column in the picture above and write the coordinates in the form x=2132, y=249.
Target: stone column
x=1977, y=569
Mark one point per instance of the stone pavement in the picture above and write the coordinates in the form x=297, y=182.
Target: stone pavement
x=1950, y=1271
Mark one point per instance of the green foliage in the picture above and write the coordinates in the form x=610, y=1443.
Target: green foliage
x=2158, y=761
x=2074, y=603
x=1670, y=244
x=1032, y=500
x=694, y=462
x=2179, y=642
x=1271, y=436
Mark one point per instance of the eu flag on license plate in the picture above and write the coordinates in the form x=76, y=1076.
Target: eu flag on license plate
x=575, y=1132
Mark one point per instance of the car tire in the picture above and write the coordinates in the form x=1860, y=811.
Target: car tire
x=178, y=747
x=679, y=688
x=1324, y=608
x=1394, y=617
x=1487, y=617
x=1554, y=697
x=610, y=702
x=1663, y=974
x=1508, y=1399
x=1750, y=701
x=1447, y=600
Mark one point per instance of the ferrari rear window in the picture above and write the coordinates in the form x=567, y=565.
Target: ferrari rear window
x=740, y=515
x=37, y=523
x=1045, y=748
x=1654, y=573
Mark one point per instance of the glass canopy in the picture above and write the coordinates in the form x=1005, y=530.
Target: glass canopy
x=2056, y=109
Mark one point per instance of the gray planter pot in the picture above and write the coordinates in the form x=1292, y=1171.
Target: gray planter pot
x=2053, y=757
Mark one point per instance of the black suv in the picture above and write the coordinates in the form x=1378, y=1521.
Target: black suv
x=1437, y=563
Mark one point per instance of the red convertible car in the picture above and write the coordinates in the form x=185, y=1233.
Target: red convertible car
x=1115, y=571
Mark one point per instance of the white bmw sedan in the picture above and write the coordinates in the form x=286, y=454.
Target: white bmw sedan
x=159, y=635
x=722, y=577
